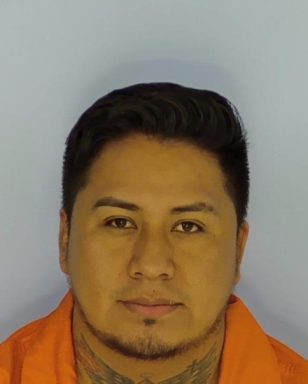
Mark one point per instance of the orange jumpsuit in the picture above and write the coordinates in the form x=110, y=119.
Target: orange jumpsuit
x=42, y=351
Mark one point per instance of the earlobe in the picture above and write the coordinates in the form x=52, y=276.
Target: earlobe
x=238, y=269
x=238, y=277
x=244, y=232
x=63, y=241
x=241, y=244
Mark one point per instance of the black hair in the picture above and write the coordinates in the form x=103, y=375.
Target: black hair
x=164, y=111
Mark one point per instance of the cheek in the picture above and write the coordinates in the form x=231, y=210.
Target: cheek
x=214, y=274
x=211, y=287
x=224, y=272
x=89, y=263
x=214, y=269
x=93, y=277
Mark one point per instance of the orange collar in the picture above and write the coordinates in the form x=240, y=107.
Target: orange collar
x=248, y=356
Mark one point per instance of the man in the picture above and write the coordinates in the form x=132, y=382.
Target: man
x=152, y=235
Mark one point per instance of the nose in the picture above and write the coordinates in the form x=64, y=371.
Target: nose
x=152, y=257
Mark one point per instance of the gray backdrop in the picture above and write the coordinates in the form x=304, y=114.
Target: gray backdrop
x=57, y=57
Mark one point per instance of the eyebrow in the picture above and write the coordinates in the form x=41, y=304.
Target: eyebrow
x=199, y=206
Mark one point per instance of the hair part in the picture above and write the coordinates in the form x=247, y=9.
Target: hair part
x=163, y=111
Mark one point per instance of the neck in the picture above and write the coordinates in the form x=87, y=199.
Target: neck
x=97, y=364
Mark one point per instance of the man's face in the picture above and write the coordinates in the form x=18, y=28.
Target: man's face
x=188, y=257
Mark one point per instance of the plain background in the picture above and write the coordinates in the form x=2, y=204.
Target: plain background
x=57, y=57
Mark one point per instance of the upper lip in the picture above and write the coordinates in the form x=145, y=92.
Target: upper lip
x=149, y=301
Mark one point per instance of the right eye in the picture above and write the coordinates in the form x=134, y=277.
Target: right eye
x=120, y=223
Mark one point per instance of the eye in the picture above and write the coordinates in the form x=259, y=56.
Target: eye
x=120, y=224
x=188, y=225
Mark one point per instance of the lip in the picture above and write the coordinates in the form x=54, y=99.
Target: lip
x=151, y=301
x=150, y=310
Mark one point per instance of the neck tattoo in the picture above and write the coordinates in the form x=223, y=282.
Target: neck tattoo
x=198, y=372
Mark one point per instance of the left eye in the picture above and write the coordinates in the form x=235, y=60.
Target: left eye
x=187, y=225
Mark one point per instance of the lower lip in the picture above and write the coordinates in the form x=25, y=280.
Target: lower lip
x=150, y=310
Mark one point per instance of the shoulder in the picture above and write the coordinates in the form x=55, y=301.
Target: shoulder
x=293, y=367
x=13, y=349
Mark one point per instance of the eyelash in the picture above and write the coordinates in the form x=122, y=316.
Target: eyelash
x=107, y=223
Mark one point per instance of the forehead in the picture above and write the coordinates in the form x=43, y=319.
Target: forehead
x=143, y=161
x=156, y=174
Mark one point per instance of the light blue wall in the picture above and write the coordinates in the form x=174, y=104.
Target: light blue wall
x=57, y=57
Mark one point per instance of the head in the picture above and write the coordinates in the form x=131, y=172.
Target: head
x=157, y=147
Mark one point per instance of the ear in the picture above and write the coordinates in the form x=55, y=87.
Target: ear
x=241, y=244
x=63, y=241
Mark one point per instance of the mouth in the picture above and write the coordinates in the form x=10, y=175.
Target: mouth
x=150, y=310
